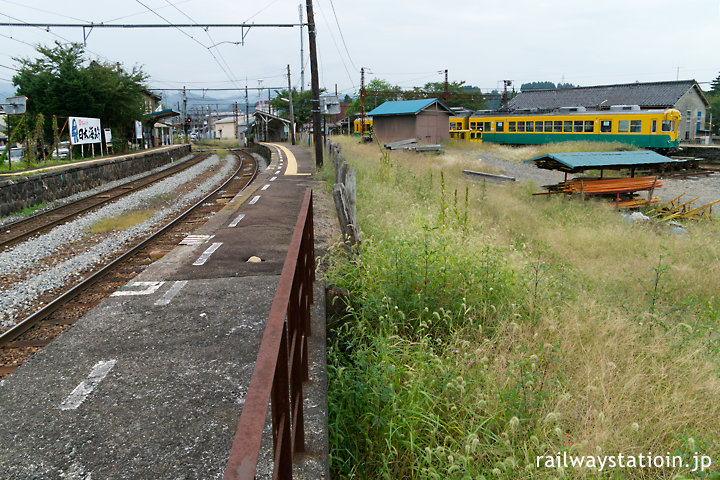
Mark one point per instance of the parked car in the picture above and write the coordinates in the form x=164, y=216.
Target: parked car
x=62, y=151
x=16, y=153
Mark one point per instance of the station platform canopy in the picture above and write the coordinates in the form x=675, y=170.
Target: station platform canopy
x=162, y=114
x=580, y=161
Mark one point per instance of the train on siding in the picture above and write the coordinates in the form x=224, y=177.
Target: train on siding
x=655, y=129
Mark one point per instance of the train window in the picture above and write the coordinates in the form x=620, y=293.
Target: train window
x=500, y=126
x=487, y=127
x=589, y=126
x=623, y=126
x=567, y=126
x=654, y=126
x=530, y=127
x=511, y=126
x=521, y=126
x=548, y=126
x=668, y=125
x=635, y=126
x=558, y=126
x=578, y=126
x=606, y=126
x=538, y=126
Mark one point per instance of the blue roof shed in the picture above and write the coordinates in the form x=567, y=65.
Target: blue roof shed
x=426, y=120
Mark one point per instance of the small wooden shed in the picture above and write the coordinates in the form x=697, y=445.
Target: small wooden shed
x=426, y=120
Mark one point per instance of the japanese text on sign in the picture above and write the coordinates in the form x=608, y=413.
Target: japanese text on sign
x=84, y=130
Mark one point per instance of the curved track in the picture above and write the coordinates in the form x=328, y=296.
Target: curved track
x=38, y=329
x=15, y=232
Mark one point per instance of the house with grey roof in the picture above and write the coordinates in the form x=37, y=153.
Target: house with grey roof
x=683, y=95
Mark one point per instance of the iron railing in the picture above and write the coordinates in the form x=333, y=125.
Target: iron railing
x=282, y=365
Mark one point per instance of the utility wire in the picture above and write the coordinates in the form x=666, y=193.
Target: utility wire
x=44, y=11
x=232, y=76
x=342, y=37
x=322, y=12
x=191, y=37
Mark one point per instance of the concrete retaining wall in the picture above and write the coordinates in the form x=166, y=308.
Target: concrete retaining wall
x=18, y=193
x=261, y=150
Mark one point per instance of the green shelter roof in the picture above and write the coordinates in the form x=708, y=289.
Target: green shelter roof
x=579, y=161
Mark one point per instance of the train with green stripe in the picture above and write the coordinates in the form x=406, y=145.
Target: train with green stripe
x=655, y=129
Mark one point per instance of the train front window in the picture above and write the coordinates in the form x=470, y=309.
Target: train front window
x=635, y=126
x=623, y=126
x=589, y=126
x=606, y=126
x=567, y=126
x=500, y=126
x=668, y=125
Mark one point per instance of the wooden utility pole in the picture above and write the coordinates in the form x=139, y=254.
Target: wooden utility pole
x=362, y=103
x=317, y=127
x=184, y=119
x=292, y=115
x=247, y=114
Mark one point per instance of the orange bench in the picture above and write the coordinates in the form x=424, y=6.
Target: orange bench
x=613, y=186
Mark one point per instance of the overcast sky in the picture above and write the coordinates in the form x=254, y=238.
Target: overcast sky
x=407, y=42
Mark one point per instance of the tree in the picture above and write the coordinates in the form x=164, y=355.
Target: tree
x=302, y=105
x=715, y=85
x=61, y=82
x=714, y=99
x=459, y=95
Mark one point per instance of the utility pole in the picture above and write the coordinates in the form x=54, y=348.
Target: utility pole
x=184, y=120
x=292, y=115
x=446, y=94
x=506, y=84
x=235, y=120
x=302, y=52
x=317, y=133
x=362, y=103
x=247, y=113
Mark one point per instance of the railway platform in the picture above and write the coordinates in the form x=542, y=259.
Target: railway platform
x=151, y=383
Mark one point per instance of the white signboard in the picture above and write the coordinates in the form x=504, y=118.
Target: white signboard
x=108, y=135
x=329, y=105
x=138, y=130
x=84, y=130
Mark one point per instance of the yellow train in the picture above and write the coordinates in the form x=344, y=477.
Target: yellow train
x=657, y=129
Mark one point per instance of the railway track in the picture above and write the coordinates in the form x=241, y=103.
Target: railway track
x=15, y=232
x=39, y=329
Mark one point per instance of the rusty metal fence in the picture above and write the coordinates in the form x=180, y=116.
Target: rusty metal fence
x=282, y=365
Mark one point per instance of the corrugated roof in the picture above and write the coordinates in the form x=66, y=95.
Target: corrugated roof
x=407, y=107
x=579, y=161
x=656, y=94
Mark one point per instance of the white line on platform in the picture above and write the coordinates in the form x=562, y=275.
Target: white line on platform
x=273, y=179
x=237, y=220
x=265, y=187
x=277, y=172
x=137, y=288
x=170, y=294
x=254, y=200
x=206, y=254
x=81, y=392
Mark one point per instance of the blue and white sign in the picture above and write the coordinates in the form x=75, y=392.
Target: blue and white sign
x=84, y=130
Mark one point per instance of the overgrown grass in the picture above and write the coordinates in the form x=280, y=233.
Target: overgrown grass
x=487, y=327
x=525, y=152
x=122, y=221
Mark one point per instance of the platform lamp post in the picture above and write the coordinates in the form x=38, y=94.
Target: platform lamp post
x=13, y=106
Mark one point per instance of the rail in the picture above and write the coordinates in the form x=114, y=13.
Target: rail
x=281, y=365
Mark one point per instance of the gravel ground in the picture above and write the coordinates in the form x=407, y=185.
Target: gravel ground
x=101, y=188
x=27, y=254
x=706, y=188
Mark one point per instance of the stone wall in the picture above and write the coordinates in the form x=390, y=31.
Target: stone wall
x=17, y=193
